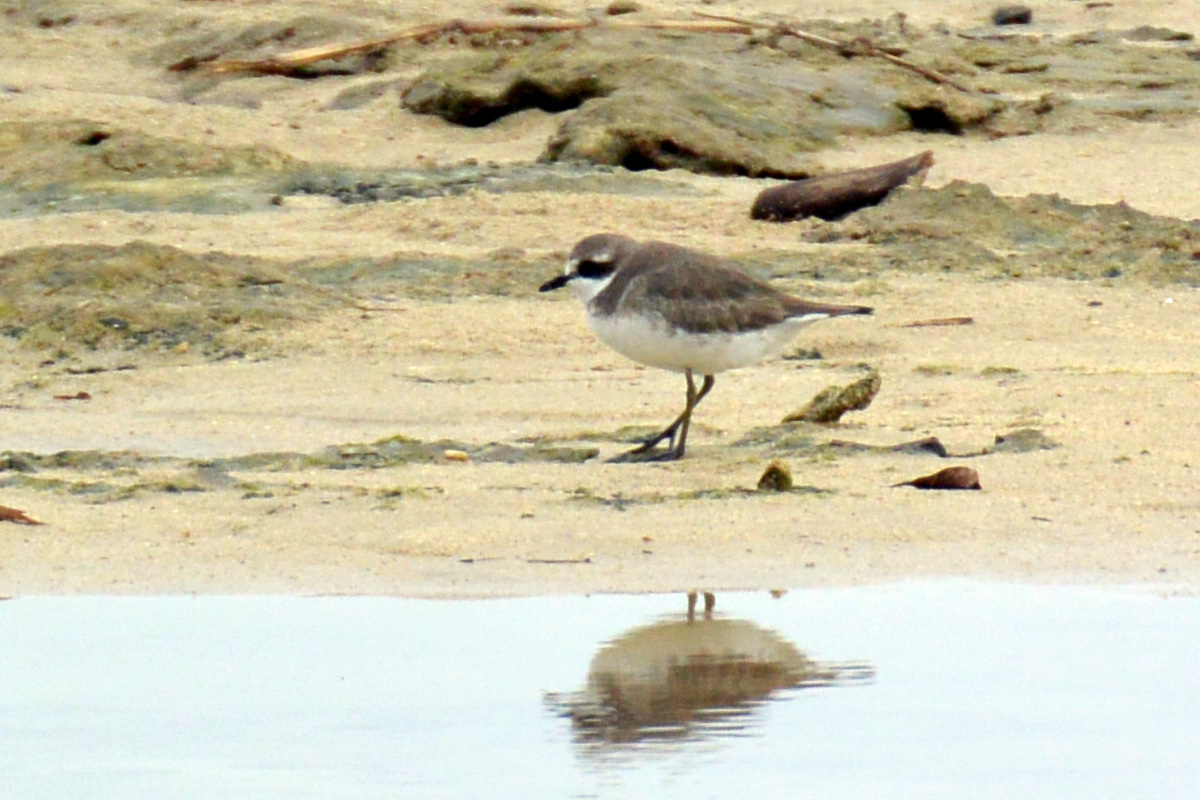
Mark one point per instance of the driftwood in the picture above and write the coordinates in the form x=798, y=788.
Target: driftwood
x=293, y=63
x=837, y=194
x=16, y=515
x=948, y=478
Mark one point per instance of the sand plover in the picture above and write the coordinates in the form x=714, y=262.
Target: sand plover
x=678, y=309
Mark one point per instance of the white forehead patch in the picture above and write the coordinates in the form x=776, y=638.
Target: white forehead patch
x=604, y=255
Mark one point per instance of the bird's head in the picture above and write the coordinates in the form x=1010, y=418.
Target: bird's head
x=591, y=265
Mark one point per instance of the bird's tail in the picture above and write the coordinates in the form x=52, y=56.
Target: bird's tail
x=804, y=308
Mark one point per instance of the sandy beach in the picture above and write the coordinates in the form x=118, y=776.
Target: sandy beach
x=1106, y=369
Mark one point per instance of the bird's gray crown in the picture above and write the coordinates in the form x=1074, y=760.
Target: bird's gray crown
x=599, y=255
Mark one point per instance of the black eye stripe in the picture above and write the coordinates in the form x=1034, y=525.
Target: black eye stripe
x=594, y=269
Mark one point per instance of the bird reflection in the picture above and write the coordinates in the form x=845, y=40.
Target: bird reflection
x=690, y=677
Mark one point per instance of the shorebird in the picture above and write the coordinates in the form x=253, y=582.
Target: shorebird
x=682, y=310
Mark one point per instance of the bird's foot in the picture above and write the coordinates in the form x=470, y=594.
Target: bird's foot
x=644, y=455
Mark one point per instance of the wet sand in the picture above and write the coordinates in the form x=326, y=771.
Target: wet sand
x=1107, y=369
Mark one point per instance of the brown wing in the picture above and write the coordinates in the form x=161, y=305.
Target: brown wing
x=701, y=293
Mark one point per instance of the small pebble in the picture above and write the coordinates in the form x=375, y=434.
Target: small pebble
x=776, y=478
x=619, y=7
x=1012, y=15
x=456, y=455
x=831, y=403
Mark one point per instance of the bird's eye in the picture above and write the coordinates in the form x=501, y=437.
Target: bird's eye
x=593, y=269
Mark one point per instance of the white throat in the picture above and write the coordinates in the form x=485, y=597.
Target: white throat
x=586, y=289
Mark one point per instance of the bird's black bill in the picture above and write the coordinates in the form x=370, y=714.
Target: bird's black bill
x=557, y=282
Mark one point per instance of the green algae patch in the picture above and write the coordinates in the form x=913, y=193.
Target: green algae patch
x=80, y=151
x=74, y=297
x=1001, y=372
x=398, y=451
x=790, y=437
x=937, y=370
x=401, y=450
x=118, y=461
x=102, y=491
x=920, y=230
x=177, y=475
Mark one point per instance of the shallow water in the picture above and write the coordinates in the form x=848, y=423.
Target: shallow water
x=943, y=689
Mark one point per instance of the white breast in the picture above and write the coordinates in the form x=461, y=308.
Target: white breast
x=651, y=341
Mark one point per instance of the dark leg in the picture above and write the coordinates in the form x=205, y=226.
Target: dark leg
x=646, y=452
x=710, y=602
x=694, y=399
x=670, y=430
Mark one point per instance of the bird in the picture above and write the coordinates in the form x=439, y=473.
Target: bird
x=683, y=310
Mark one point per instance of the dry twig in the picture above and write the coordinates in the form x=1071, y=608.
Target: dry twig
x=291, y=63
x=16, y=515
x=937, y=323
x=859, y=46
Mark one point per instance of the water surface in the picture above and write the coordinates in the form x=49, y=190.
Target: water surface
x=945, y=689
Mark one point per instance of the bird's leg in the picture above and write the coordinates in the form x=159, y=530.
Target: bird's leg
x=710, y=602
x=645, y=451
x=694, y=399
x=670, y=431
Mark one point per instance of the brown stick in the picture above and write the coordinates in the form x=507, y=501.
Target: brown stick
x=860, y=46
x=837, y=194
x=716, y=25
x=16, y=515
x=934, y=323
x=289, y=63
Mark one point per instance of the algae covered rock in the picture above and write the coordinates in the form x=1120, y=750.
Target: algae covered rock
x=832, y=402
x=647, y=102
x=776, y=478
x=140, y=293
x=639, y=130
x=40, y=153
x=476, y=89
x=218, y=37
x=1015, y=236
